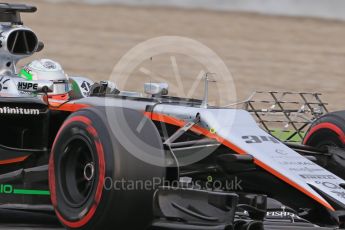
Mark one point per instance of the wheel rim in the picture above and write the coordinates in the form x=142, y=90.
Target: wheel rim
x=78, y=174
x=324, y=145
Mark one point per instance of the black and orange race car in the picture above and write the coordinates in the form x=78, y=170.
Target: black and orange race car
x=103, y=158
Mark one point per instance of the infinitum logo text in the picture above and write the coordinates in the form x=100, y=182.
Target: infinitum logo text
x=19, y=111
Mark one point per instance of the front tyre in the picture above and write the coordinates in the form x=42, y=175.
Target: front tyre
x=329, y=130
x=87, y=160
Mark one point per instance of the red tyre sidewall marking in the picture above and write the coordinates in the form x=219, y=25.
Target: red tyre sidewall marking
x=326, y=125
x=101, y=164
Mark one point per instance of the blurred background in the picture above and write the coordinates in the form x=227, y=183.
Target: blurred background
x=295, y=45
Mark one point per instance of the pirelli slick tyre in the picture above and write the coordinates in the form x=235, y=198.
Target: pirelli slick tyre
x=87, y=159
x=329, y=130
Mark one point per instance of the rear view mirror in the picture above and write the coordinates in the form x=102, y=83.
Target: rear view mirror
x=155, y=89
x=35, y=86
x=40, y=46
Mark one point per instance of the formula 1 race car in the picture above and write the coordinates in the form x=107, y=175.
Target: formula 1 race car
x=103, y=158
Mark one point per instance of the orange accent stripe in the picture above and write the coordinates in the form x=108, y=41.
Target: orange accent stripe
x=173, y=121
x=197, y=129
x=67, y=107
x=14, y=160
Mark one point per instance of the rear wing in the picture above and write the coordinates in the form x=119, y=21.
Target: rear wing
x=286, y=115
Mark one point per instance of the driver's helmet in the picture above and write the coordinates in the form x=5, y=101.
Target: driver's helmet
x=48, y=70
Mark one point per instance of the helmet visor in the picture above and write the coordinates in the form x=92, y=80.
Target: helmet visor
x=61, y=87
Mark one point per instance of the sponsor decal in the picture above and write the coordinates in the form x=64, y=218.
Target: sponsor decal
x=340, y=194
x=259, y=139
x=3, y=81
x=297, y=163
x=19, y=111
x=26, y=73
x=282, y=151
x=318, y=177
x=27, y=86
x=6, y=189
x=281, y=157
x=49, y=64
x=328, y=185
x=306, y=169
x=282, y=214
x=86, y=86
x=9, y=189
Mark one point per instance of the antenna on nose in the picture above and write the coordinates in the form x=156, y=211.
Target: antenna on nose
x=207, y=79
